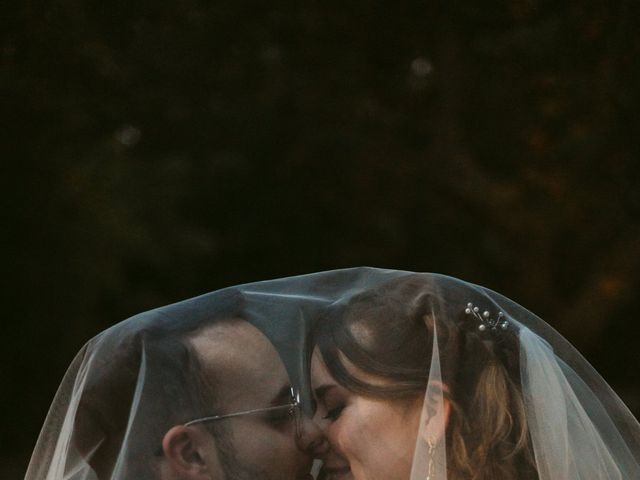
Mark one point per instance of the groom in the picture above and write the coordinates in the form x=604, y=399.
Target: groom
x=215, y=403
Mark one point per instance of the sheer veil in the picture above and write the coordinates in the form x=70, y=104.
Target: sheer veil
x=556, y=418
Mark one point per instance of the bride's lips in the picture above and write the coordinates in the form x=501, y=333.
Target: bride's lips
x=334, y=472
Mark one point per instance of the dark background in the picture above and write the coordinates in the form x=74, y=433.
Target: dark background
x=156, y=150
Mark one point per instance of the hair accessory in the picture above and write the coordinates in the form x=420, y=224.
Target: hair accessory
x=486, y=321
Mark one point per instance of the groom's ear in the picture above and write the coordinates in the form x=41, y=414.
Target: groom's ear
x=190, y=453
x=435, y=413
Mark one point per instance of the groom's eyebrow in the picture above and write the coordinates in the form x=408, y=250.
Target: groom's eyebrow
x=281, y=397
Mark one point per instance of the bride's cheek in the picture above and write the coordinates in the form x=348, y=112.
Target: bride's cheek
x=346, y=437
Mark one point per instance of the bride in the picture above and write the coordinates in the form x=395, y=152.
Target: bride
x=429, y=377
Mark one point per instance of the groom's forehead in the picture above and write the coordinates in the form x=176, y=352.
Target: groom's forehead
x=240, y=361
x=232, y=344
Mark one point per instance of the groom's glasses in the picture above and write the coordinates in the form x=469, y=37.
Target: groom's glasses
x=287, y=412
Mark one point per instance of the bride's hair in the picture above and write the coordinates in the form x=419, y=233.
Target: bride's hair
x=388, y=332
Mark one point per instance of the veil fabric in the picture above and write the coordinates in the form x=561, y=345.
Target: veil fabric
x=577, y=426
x=133, y=383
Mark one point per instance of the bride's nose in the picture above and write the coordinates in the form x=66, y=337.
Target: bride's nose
x=311, y=439
x=320, y=418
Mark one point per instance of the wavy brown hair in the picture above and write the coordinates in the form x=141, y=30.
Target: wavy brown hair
x=388, y=332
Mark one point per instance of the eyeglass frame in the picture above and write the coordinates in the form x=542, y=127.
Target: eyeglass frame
x=294, y=407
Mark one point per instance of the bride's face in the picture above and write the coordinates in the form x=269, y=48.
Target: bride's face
x=370, y=439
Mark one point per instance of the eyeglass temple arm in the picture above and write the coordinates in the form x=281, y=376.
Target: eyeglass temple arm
x=295, y=397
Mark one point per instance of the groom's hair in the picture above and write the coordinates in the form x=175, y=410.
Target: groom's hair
x=138, y=391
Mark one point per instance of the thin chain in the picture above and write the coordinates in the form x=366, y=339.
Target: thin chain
x=432, y=447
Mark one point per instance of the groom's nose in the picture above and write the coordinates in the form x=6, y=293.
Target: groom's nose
x=311, y=439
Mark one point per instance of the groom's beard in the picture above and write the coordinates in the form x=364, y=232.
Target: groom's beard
x=232, y=468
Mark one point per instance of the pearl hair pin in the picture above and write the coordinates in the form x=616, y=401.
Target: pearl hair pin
x=486, y=321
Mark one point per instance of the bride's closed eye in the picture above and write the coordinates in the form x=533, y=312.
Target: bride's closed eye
x=334, y=413
x=332, y=400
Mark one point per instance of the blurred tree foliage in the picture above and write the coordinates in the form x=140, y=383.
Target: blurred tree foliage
x=157, y=150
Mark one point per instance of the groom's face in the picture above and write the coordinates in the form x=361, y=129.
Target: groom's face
x=248, y=374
